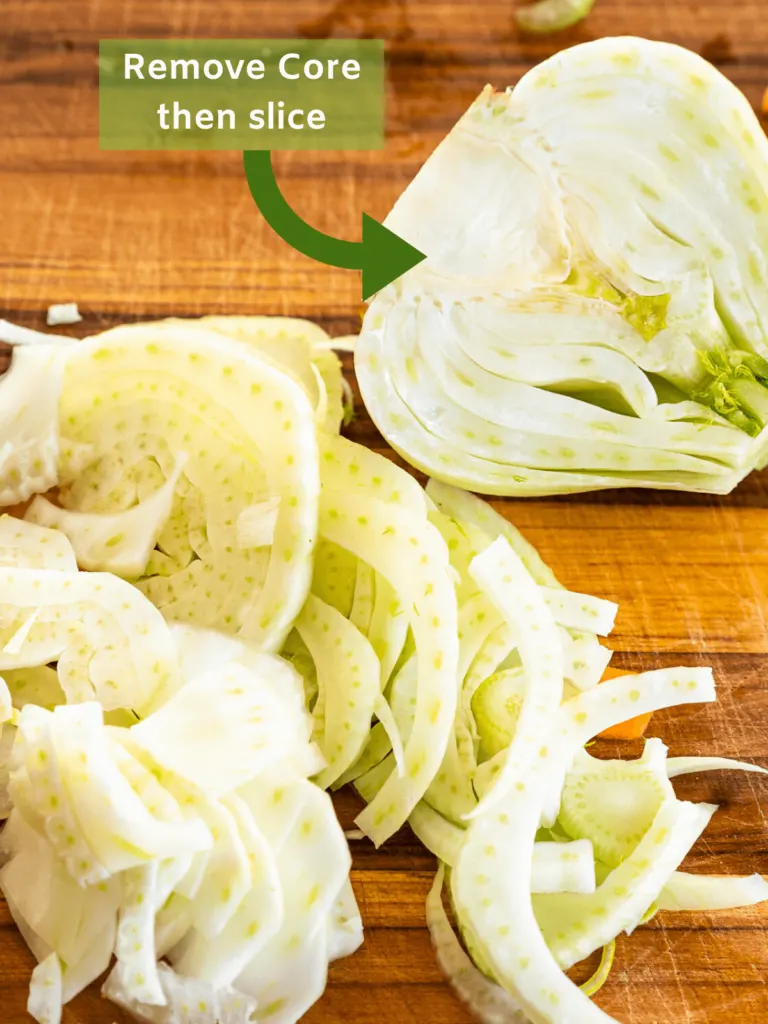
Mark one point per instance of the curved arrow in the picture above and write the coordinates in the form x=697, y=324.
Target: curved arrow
x=382, y=255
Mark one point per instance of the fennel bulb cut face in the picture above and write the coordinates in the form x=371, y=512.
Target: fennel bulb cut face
x=593, y=311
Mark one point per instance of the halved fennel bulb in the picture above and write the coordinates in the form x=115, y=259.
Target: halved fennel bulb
x=593, y=309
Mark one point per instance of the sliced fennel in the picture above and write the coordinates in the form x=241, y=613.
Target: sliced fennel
x=389, y=724
x=467, y=508
x=186, y=1000
x=313, y=866
x=27, y=546
x=379, y=758
x=14, y=334
x=684, y=891
x=491, y=883
x=583, y=716
x=487, y=1000
x=348, y=677
x=412, y=557
x=256, y=524
x=159, y=781
x=491, y=891
x=45, y=990
x=555, y=867
x=363, y=597
x=579, y=924
x=496, y=705
x=388, y=627
x=226, y=712
x=345, y=927
x=687, y=765
x=563, y=867
x=614, y=803
x=209, y=847
x=335, y=576
x=599, y=978
x=346, y=466
x=38, y=685
x=508, y=584
x=142, y=397
x=591, y=313
x=300, y=348
x=7, y=712
x=439, y=835
x=120, y=542
x=29, y=450
x=189, y=831
x=135, y=942
x=110, y=643
x=523, y=916
x=580, y=611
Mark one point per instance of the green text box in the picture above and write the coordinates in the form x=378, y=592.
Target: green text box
x=212, y=91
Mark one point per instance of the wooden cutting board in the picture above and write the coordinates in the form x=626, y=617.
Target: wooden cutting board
x=132, y=236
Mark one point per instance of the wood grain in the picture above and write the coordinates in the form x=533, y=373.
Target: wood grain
x=135, y=236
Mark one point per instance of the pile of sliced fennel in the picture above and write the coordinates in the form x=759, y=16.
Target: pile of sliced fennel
x=180, y=833
x=593, y=309
x=214, y=608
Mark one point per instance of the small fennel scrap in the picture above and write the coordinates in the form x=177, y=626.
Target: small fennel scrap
x=543, y=16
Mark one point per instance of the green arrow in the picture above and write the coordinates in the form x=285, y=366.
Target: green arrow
x=382, y=255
